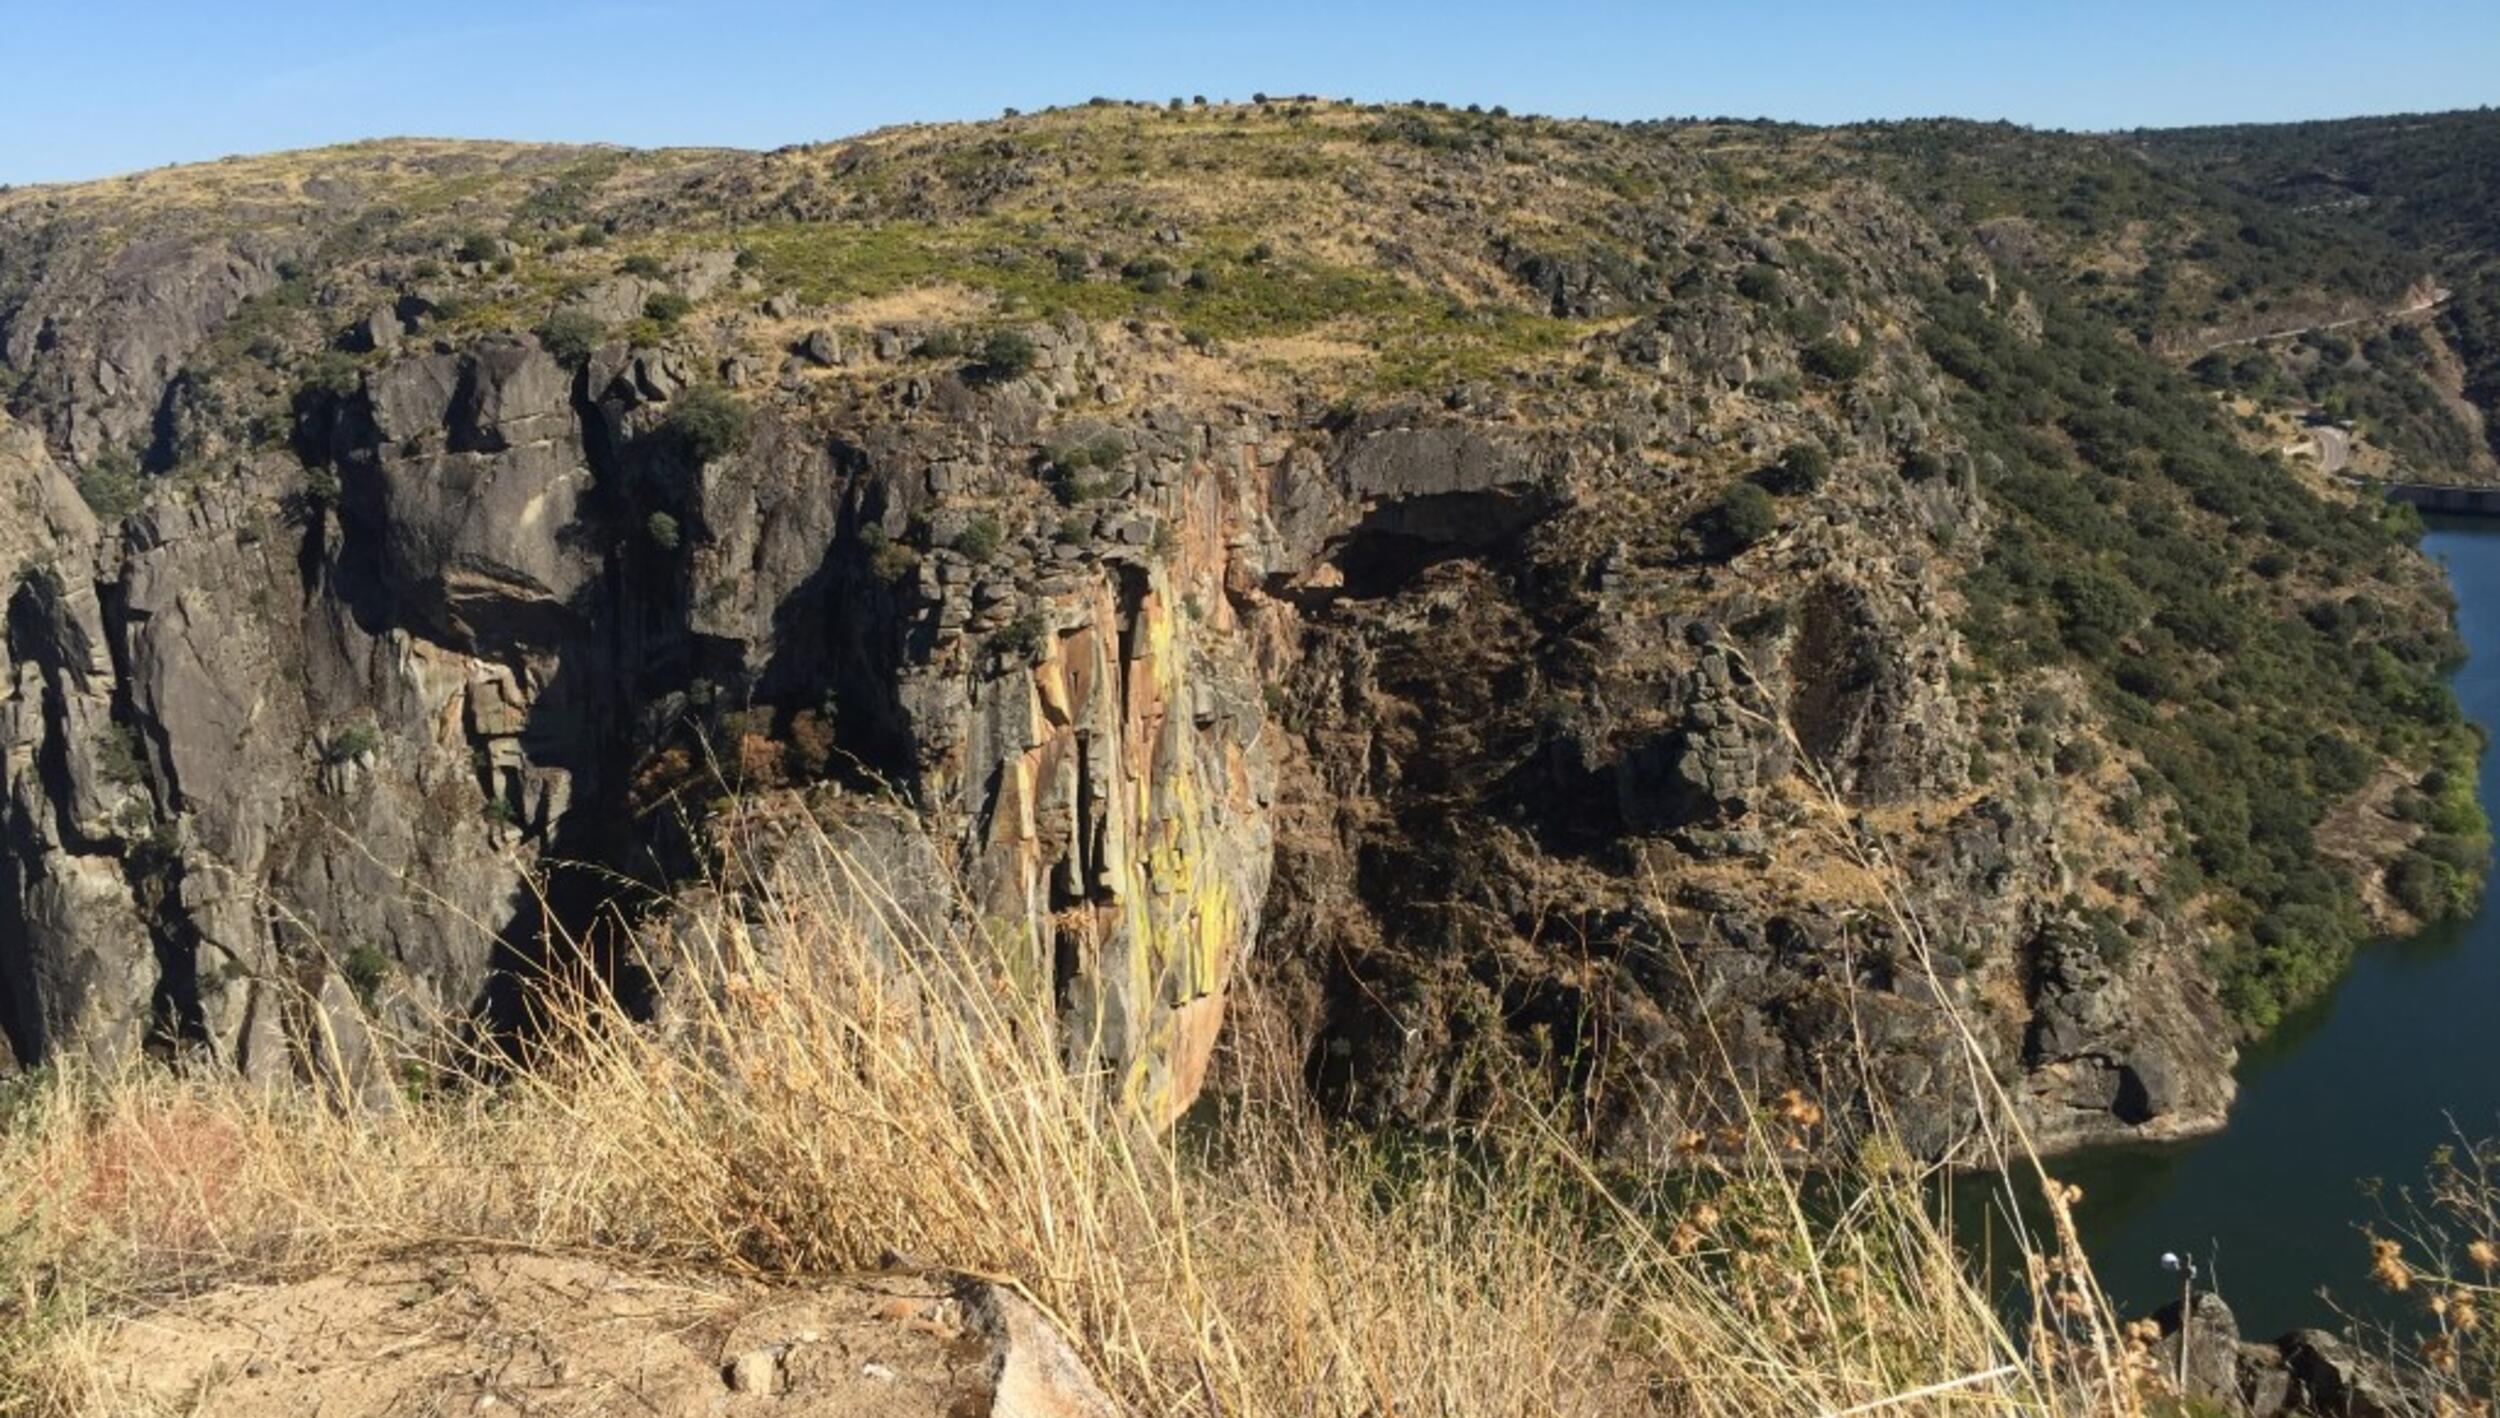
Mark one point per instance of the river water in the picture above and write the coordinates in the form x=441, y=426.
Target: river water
x=2364, y=1086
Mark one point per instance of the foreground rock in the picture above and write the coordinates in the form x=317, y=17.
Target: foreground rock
x=2309, y=1373
x=544, y=1335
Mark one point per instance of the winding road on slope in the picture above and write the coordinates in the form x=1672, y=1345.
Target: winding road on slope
x=2438, y=297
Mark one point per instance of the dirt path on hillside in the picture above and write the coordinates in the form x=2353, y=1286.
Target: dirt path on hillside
x=2428, y=303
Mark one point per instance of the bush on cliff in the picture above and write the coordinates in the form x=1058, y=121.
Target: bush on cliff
x=1007, y=354
x=1742, y=516
x=709, y=422
x=112, y=484
x=1805, y=467
x=570, y=335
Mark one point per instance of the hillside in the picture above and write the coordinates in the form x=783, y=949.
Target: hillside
x=2421, y=183
x=1492, y=593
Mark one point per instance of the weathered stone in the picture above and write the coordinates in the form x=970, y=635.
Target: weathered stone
x=2333, y=1380
x=380, y=331
x=2212, y=1337
x=757, y=1372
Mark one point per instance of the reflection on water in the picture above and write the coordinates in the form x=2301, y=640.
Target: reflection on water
x=2363, y=1086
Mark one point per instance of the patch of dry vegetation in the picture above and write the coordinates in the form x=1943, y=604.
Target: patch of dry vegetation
x=808, y=1112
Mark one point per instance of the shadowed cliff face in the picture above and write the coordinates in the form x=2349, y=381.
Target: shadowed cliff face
x=1454, y=725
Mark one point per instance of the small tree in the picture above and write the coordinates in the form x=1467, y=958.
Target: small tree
x=1743, y=516
x=112, y=484
x=1803, y=468
x=328, y=373
x=571, y=334
x=1007, y=354
x=709, y=422
x=981, y=538
x=1835, y=360
x=120, y=757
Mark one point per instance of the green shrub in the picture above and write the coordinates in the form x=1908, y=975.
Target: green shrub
x=1760, y=283
x=981, y=538
x=664, y=531
x=1742, y=516
x=112, y=484
x=2096, y=610
x=1805, y=467
x=1021, y=638
x=365, y=969
x=571, y=334
x=328, y=373
x=889, y=559
x=2109, y=935
x=348, y=744
x=120, y=759
x=643, y=264
x=1007, y=354
x=709, y=422
x=478, y=248
x=2415, y=881
x=666, y=307
x=1835, y=360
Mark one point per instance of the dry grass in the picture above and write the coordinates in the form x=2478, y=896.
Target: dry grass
x=2438, y=1246
x=807, y=1111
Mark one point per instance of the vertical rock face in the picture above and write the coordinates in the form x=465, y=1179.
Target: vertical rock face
x=77, y=966
x=278, y=752
x=1118, y=790
x=101, y=337
x=284, y=763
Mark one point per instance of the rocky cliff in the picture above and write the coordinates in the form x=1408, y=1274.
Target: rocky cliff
x=1291, y=545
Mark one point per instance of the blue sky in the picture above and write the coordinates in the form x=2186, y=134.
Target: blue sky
x=93, y=87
